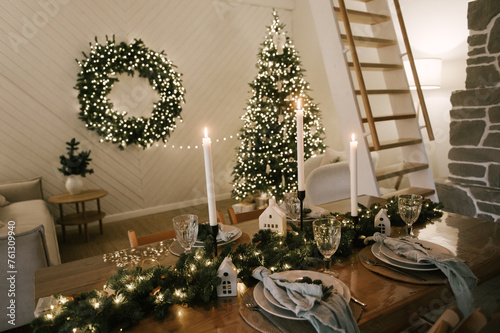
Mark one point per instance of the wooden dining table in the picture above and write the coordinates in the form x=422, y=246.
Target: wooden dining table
x=391, y=305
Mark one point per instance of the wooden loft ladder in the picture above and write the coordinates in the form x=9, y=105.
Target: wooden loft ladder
x=360, y=47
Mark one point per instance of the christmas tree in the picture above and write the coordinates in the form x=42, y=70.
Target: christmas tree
x=267, y=156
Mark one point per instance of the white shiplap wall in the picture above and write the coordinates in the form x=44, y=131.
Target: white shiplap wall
x=213, y=43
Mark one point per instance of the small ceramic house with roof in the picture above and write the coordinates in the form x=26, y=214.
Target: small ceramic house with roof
x=273, y=218
x=383, y=222
x=228, y=274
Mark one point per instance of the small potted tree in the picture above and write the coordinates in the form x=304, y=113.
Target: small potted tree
x=75, y=166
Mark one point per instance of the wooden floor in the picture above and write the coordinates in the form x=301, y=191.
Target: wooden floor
x=115, y=233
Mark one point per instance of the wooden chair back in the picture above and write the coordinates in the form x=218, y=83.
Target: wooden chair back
x=448, y=319
x=473, y=323
x=151, y=238
x=242, y=217
x=220, y=216
x=452, y=321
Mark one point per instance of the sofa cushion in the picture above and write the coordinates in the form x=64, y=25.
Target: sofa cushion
x=28, y=215
x=332, y=156
x=22, y=190
x=328, y=183
x=30, y=255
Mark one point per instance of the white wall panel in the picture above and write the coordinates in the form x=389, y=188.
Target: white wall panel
x=214, y=44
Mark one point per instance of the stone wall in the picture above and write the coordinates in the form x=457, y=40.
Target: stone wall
x=473, y=187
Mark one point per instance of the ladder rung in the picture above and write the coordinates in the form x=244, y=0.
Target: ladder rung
x=370, y=41
x=425, y=192
x=356, y=16
x=392, y=117
x=385, y=91
x=367, y=66
x=397, y=143
x=399, y=169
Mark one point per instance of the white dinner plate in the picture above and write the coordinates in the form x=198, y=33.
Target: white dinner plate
x=306, y=219
x=434, y=249
x=265, y=303
x=258, y=295
x=177, y=249
x=225, y=228
x=318, y=212
x=376, y=250
x=328, y=280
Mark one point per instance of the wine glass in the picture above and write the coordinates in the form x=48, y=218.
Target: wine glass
x=292, y=204
x=186, y=230
x=327, y=236
x=409, y=206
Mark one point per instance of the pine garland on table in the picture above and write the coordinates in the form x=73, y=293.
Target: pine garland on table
x=138, y=292
x=429, y=211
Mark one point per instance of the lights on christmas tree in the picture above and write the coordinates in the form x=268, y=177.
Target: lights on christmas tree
x=266, y=156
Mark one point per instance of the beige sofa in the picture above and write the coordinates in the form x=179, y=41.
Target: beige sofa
x=327, y=177
x=26, y=215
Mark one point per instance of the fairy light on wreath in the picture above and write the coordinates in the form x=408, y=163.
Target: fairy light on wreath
x=100, y=70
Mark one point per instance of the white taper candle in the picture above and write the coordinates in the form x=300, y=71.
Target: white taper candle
x=300, y=145
x=354, y=175
x=209, y=175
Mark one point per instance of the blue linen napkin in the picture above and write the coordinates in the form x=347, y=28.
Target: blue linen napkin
x=460, y=277
x=304, y=299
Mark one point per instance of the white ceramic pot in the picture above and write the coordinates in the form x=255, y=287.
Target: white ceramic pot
x=74, y=184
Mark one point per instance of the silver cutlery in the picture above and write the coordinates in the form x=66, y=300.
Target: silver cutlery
x=357, y=301
x=253, y=306
x=373, y=263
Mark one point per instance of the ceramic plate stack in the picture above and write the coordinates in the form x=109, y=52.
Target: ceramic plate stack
x=268, y=303
x=176, y=248
x=225, y=228
x=383, y=253
x=316, y=213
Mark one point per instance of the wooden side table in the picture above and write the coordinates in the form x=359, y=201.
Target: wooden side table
x=82, y=216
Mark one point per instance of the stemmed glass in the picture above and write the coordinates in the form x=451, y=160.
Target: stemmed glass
x=292, y=204
x=327, y=236
x=186, y=230
x=409, y=206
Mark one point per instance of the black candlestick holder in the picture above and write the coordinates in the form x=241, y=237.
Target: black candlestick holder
x=355, y=220
x=215, y=231
x=301, y=195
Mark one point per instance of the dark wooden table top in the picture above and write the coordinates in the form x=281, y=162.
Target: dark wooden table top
x=392, y=305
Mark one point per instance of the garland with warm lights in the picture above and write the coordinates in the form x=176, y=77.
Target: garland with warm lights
x=98, y=73
x=131, y=294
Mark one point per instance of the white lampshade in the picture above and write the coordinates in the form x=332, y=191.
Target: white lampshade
x=429, y=73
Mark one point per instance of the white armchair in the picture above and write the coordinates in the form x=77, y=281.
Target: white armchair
x=327, y=177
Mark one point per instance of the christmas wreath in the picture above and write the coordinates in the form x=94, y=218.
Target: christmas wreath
x=100, y=70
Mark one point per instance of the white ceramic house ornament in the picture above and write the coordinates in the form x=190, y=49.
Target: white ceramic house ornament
x=228, y=274
x=273, y=218
x=383, y=222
